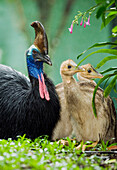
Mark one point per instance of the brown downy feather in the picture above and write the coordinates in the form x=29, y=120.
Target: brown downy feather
x=63, y=127
x=78, y=97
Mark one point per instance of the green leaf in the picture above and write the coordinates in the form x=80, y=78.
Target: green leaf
x=93, y=8
x=112, y=12
x=106, y=82
x=105, y=60
x=107, y=21
x=94, y=93
x=110, y=69
x=100, y=11
x=100, y=1
x=116, y=3
x=115, y=89
x=111, y=3
x=114, y=29
x=109, y=51
x=103, y=19
x=97, y=45
x=110, y=86
x=102, y=44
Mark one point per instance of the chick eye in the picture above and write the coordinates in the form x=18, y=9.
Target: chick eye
x=69, y=66
x=89, y=71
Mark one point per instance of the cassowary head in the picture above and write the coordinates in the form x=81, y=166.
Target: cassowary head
x=39, y=50
x=36, y=55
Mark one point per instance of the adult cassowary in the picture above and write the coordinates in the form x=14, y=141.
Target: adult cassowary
x=32, y=106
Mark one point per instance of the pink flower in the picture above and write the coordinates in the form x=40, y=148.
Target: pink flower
x=85, y=25
x=88, y=22
x=81, y=22
x=71, y=28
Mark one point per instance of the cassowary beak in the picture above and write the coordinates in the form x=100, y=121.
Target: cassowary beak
x=44, y=58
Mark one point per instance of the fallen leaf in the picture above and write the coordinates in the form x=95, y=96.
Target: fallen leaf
x=63, y=142
x=110, y=161
x=112, y=147
x=84, y=147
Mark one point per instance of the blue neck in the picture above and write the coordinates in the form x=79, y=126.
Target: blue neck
x=35, y=68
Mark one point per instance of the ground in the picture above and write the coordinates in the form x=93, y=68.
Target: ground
x=66, y=154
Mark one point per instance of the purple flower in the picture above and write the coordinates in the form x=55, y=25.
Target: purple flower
x=71, y=28
x=81, y=22
x=85, y=25
x=88, y=22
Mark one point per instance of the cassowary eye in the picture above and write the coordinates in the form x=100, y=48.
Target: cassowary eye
x=34, y=52
x=89, y=71
x=69, y=66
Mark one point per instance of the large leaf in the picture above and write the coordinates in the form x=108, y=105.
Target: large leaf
x=114, y=29
x=110, y=86
x=110, y=69
x=100, y=1
x=100, y=11
x=103, y=19
x=116, y=3
x=109, y=51
x=108, y=20
x=110, y=3
x=115, y=89
x=94, y=93
x=92, y=8
x=112, y=12
x=97, y=45
x=105, y=60
x=106, y=82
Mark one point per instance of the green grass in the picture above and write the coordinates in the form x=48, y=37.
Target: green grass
x=43, y=154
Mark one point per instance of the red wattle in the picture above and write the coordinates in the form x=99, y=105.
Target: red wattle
x=46, y=93
x=41, y=90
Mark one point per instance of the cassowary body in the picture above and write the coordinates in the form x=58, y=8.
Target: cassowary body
x=28, y=107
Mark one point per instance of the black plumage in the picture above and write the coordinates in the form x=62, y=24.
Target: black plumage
x=22, y=110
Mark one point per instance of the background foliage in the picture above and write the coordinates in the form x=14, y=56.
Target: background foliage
x=107, y=10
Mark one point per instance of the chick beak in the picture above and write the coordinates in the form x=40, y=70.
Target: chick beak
x=98, y=75
x=79, y=69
